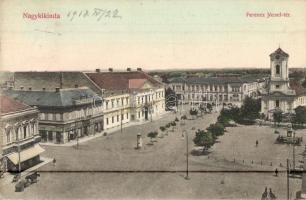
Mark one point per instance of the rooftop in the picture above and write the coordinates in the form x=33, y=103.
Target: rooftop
x=280, y=52
x=122, y=80
x=61, y=98
x=9, y=105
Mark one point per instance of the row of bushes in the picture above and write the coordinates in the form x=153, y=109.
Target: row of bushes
x=154, y=134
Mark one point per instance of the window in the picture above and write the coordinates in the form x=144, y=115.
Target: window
x=42, y=116
x=117, y=118
x=106, y=121
x=277, y=103
x=8, y=136
x=24, y=132
x=277, y=86
x=106, y=104
x=113, y=120
x=122, y=117
x=127, y=115
x=277, y=69
x=16, y=133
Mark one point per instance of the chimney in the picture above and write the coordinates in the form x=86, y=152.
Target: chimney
x=110, y=69
x=139, y=69
x=98, y=70
x=128, y=69
x=57, y=89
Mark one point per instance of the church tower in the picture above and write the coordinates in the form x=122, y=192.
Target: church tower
x=279, y=71
x=278, y=94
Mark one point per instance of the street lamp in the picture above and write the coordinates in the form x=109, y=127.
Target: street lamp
x=187, y=150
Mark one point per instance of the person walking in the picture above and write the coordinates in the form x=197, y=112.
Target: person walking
x=271, y=194
x=264, y=195
x=54, y=161
x=256, y=143
x=276, y=172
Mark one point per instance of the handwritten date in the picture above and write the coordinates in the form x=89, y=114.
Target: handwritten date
x=96, y=13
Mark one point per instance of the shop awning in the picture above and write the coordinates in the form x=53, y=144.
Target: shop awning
x=26, y=154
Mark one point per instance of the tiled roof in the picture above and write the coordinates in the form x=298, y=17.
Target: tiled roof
x=62, y=98
x=136, y=83
x=8, y=105
x=119, y=80
x=296, y=85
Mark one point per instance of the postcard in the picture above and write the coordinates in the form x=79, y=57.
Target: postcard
x=151, y=99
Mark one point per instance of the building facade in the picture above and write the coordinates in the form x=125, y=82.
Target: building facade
x=130, y=95
x=217, y=90
x=281, y=94
x=65, y=114
x=19, y=136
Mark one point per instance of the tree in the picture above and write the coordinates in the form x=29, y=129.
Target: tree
x=209, y=107
x=204, y=139
x=216, y=129
x=250, y=108
x=168, y=125
x=184, y=117
x=193, y=112
x=304, y=83
x=300, y=115
x=202, y=109
x=277, y=116
x=152, y=134
x=224, y=120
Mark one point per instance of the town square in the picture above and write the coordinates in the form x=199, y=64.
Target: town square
x=177, y=99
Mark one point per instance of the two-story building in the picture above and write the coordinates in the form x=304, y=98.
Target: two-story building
x=216, y=90
x=65, y=114
x=129, y=96
x=19, y=136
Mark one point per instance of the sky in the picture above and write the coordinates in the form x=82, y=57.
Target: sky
x=150, y=34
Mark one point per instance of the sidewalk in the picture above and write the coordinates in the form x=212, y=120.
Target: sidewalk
x=108, y=131
x=8, y=177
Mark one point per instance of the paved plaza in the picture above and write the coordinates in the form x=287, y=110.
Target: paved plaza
x=110, y=166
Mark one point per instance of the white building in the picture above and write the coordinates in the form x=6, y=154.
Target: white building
x=214, y=89
x=19, y=138
x=281, y=93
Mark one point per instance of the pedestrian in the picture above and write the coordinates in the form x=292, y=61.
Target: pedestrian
x=256, y=143
x=54, y=161
x=264, y=195
x=276, y=172
x=272, y=196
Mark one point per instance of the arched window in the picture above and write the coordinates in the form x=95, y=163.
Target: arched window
x=24, y=131
x=8, y=136
x=277, y=69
